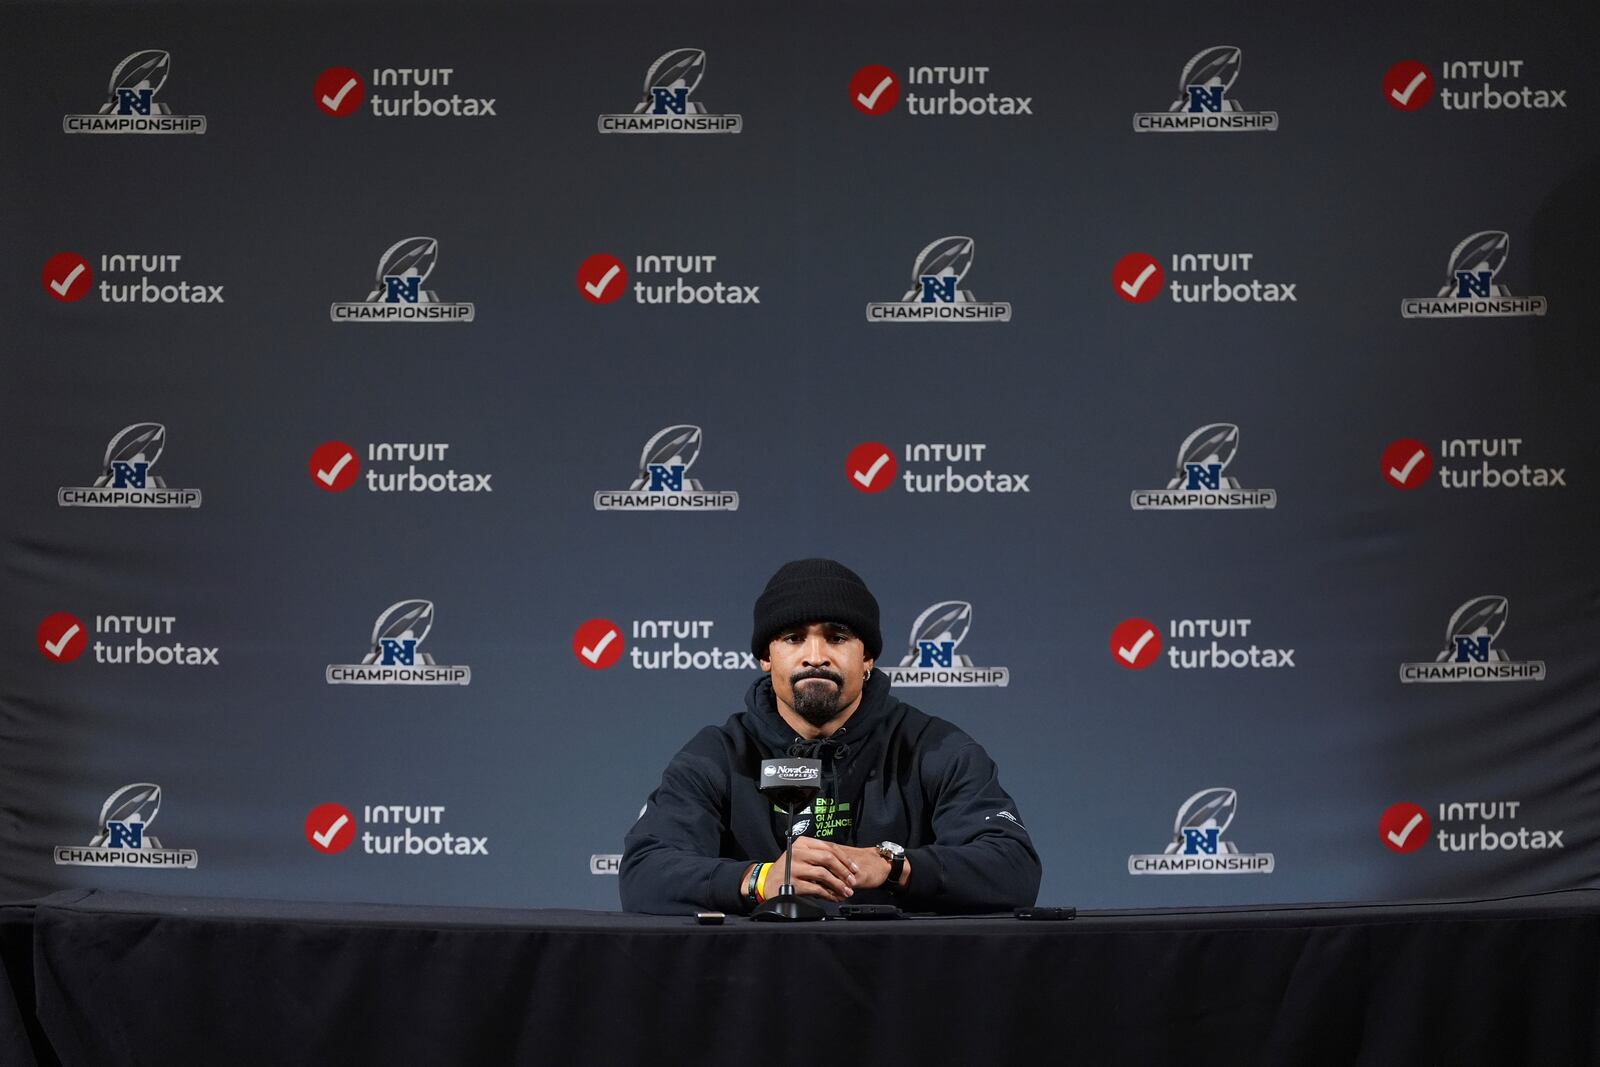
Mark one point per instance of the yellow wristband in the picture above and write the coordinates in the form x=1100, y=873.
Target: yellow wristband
x=761, y=883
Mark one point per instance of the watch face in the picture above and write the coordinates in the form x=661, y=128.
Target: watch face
x=889, y=850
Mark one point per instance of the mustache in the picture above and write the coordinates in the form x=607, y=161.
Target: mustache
x=817, y=672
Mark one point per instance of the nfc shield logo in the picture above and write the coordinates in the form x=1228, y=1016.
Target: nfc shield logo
x=936, y=633
x=130, y=105
x=394, y=658
x=124, y=839
x=666, y=457
x=1197, y=846
x=936, y=294
x=398, y=632
x=126, y=479
x=666, y=107
x=135, y=82
x=1198, y=483
x=1473, y=288
x=1474, y=264
x=399, y=295
x=670, y=80
x=1206, y=80
x=1470, y=654
x=1204, y=101
x=662, y=483
x=932, y=660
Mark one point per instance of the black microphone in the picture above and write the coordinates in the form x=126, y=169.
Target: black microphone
x=790, y=782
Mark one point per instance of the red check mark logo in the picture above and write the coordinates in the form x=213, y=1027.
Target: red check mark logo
x=62, y=637
x=1135, y=644
x=339, y=91
x=874, y=90
x=602, y=279
x=598, y=644
x=67, y=277
x=871, y=467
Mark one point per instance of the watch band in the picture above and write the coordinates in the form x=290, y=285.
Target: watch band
x=896, y=865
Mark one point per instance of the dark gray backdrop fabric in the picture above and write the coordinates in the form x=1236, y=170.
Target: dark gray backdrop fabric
x=1355, y=202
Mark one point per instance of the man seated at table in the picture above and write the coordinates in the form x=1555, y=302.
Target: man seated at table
x=911, y=810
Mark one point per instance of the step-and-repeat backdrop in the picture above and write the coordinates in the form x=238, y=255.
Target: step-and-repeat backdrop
x=405, y=404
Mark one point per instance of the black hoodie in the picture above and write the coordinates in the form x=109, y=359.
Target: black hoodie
x=891, y=773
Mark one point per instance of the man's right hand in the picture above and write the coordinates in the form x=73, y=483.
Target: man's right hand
x=821, y=869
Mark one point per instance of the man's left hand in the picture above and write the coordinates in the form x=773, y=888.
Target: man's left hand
x=872, y=870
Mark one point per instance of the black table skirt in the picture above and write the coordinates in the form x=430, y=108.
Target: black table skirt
x=124, y=978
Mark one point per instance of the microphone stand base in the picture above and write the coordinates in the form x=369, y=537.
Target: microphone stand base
x=788, y=909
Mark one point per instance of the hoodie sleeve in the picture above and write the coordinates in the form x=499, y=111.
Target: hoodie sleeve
x=982, y=858
x=671, y=863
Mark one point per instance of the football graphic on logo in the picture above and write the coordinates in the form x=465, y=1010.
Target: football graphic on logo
x=948, y=620
x=1215, y=443
x=137, y=803
x=142, y=70
x=945, y=257
x=673, y=446
x=1483, y=616
x=1211, y=67
x=411, y=257
x=681, y=68
x=1485, y=250
x=407, y=619
x=1206, y=809
x=140, y=443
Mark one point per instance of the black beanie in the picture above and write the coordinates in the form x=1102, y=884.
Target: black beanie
x=815, y=590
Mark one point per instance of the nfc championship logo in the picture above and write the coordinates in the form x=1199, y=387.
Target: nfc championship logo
x=1199, y=482
x=1473, y=289
x=1197, y=846
x=936, y=294
x=932, y=660
x=394, y=659
x=125, y=480
x=666, y=107
x=1469, y=654
x=399, y=295
x=662, y=484
x=124, y=839
x=1204, y=103
x=131, y=106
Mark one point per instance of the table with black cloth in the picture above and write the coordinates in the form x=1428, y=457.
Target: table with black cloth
x=96, y=979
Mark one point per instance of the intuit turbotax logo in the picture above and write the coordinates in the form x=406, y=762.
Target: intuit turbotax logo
x=662, y=484
x=1205, y=102
x=1197, y=846
x=1406, y=828
x=1492, y=463
x=125, y=479
x=1199, y=482
x=124, y=839
x=332, y=828
x=932, y=659
x=1473, y=290
x=335, y=467
x=131, y=106
x=930, y=467
x=599, y=645
x=394, y=659
x=399, y=296
x=660, y=278
x=1136, y=644
x=875, y=90
x=68, y=278
x=1469, y=654
x=340, y=92
x=1468, y=85
x=935, y=294
x=62, y=637
x=666, y=107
